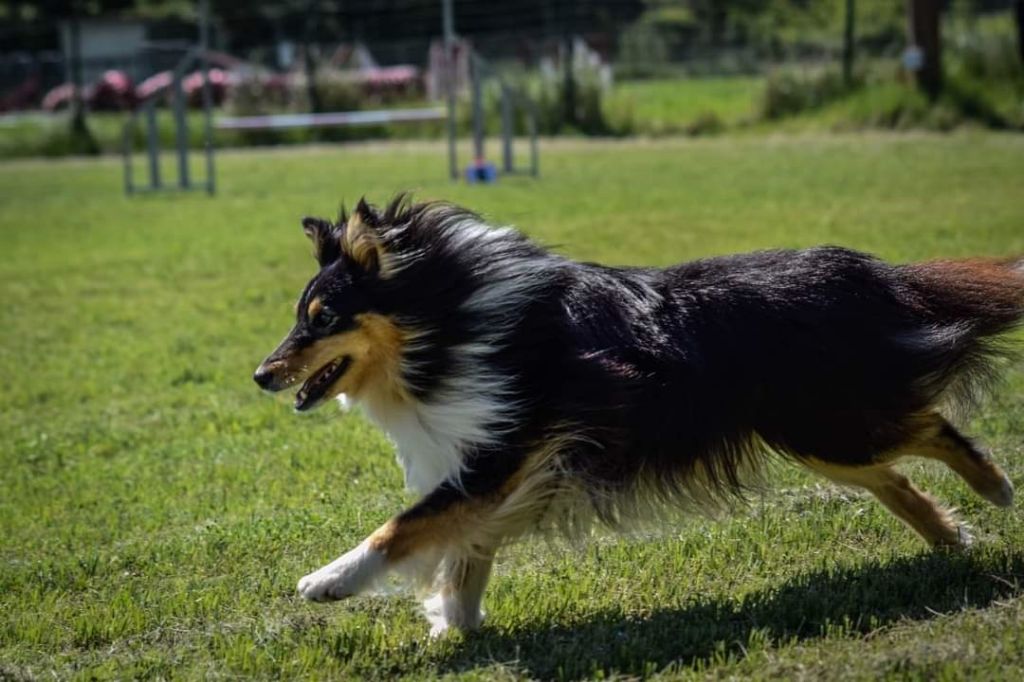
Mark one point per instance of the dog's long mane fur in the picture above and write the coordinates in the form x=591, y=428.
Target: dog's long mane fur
x=664, y=384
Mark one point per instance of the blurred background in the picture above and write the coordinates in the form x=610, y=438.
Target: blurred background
x=589, y=67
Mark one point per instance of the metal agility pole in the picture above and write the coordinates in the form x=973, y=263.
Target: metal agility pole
x=479, y=170
x=511, y=100
x=179, y=113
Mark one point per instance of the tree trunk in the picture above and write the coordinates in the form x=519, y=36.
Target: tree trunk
x=568, y=73
x=848, y=43
x=1018, y=11
x=924, y=33
x=311, y=90
x=308, y=63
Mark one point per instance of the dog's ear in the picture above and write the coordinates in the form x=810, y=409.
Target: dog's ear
x=368, y=213
x=326, y=245
x=361, y=239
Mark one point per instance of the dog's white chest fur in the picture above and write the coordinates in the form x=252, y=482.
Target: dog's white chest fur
x=426, y=455
x=427, y=451
x=433, y=438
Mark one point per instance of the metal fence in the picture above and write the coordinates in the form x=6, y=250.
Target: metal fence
x=514, y=42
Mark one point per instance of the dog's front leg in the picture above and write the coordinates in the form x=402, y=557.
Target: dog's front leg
x=349, y=574
x=446, y=541
x=414, y=543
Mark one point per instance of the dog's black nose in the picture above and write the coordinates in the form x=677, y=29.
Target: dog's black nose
x=263, y=378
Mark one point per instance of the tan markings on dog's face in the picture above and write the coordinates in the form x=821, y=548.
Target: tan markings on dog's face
x=374, y=347
x=315, y=306
x=381, y=341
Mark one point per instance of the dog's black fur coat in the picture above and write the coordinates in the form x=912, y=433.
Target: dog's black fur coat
x=822, y=352
x=667, y=377
x=524, y=390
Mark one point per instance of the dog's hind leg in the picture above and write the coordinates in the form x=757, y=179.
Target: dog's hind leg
x=894, y=490
x=941, y=441
x=458, y=602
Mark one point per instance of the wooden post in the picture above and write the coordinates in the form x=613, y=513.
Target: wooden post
x=179, y=105
x=1018, y=12
x=152, y=145
x=477, y=80
x=82, y=139
x=848, y=43
x=569, y=83
x=204, y=67
x=506, y=130
x=924, y=33
x=531, y=125
x=450, y=74
x=308, y=64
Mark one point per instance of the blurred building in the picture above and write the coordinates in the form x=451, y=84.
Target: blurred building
x=105, y=43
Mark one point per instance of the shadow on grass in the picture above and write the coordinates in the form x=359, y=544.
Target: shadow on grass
x=851, y=601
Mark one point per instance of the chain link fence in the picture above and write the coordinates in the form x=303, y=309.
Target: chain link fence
x=648, y=67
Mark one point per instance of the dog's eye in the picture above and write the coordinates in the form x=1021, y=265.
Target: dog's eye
x=322, y=319
x=318, y=315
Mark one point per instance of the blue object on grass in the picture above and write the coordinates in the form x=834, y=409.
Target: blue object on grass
x=481, y=171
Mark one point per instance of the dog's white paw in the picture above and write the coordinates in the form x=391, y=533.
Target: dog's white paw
x=325, y=586
x=965, y=538
x=346, y=576
x=445, y=614
x=956, y=537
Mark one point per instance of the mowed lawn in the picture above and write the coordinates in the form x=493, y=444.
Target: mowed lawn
x=673, y=105
x=156, y=510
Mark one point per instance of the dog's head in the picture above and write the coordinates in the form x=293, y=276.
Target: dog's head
x=344, y=335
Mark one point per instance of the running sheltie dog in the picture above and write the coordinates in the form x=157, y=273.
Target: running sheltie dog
x=525, y=390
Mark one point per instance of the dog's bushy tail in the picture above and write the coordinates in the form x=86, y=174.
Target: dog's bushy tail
x=970, y=305
x=986, y=295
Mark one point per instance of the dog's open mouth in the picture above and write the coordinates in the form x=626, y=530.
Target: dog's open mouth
x=313, y=391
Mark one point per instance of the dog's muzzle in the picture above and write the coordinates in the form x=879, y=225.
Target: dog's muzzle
x=267, y=379
x=263, y=378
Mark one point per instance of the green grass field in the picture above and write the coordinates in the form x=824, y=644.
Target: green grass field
x=156, y=510
x=658, y=107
